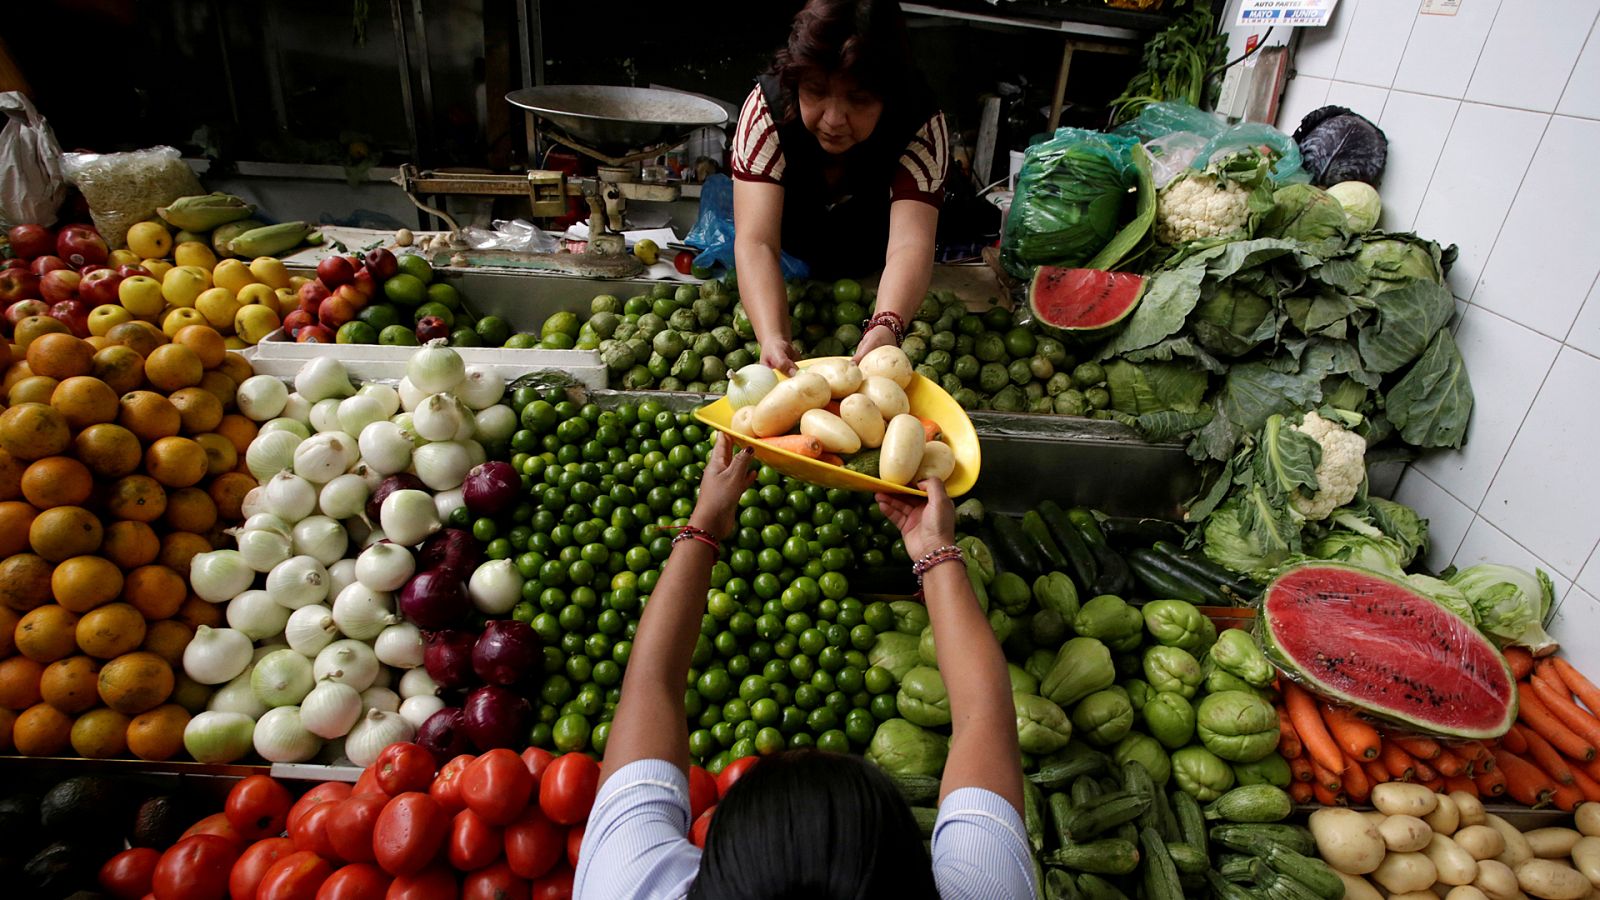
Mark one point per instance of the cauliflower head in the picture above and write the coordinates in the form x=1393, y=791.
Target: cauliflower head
x=1341, y=471
x=1200, y=206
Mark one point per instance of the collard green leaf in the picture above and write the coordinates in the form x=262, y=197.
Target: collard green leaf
x=1180, y=347
x=1168, y=299
x=1140, y=388
x=1285, y=459
x=1345, y=275
x=1230, y=316
x=1250, y=394
x=1408, y=318
x=1432, y=403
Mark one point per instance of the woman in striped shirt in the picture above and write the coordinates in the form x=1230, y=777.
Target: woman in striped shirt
x=839, y=159
x=807, y=823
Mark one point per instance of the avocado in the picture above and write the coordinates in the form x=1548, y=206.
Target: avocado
x=157, y=823
x=82, y=805
x=58, y=870
x=19, y=820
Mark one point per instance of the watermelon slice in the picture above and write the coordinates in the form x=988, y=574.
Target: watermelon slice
x=1380, y=646
x=1082, y=303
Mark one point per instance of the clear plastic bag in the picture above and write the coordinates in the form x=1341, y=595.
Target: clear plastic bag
x=31, y=184
x=123, y=189
x=518, y=235
x=712, y=233
x=1068, y=200
x=1159, y=125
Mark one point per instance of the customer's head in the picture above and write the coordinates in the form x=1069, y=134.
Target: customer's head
x=845, y=61
x=814, y=825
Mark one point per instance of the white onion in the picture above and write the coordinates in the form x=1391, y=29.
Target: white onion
x=290, y=497
x=497, y=423
x=349, y=661
x=281, y=738
x=264, y=520
x=298, y=581
x=298, y=408
x=282, y=678
x=343, y=497
x=320, y=538
x=263, y=548
x=370, y=477
x=435, y=368
x=325, y=416
x=270, y=453
x=309, y=629
x=383, y=679
x=380, y=698
x=284, y=423
x=480, y=388
x=261, y=397
x=375, y=536
x=418, y=683
x=439, y=417
x=385, y=447
x=385, y=567
x=410, y=396
x=408, y=427
x=341, y=575
x=215, y=655
x=416, y=710
x=257, y=616
x=218, y=738
x=408, y=516
x=447, y=502
x=442, y=465
x=253, y=504
x=356, y=413
x=330, y=709
x=376, y=730
x=388, y=398
x=323, y=377
x=363, y=613
x=399, y=645
x=220, y=575
x=495, y=587
x=325, y=456
x=476, y=455
x=237, y=697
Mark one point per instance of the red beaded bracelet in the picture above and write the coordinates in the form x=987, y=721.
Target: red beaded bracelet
x=947, y=553
x=692, y=533
x=890, y=320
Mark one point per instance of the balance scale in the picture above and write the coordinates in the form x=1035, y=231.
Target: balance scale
x=617, y=126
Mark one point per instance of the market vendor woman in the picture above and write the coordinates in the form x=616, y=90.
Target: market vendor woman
x=839, y=159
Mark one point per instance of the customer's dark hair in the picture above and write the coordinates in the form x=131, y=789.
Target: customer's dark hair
x=864, y=39
x=815, y=825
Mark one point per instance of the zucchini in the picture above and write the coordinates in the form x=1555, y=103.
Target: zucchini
x=1093, y=887
x=1085, y=790
x=1222, y=889
x=1128, y=831
x=1060, y=773
x=1163, y=582
x=1252, y=804
x=1107, y=856
x=1159, y=871
x=1312, y=874
x=865, y=462
x=1015, y=547
x=1246, y=838
x=1140, y=530
x=1058, y=886
x=1108, y=811
x=1191, y=823
x=1239, y=866
x=1084, y=569
x=917, y=789
x=1033, y=526
x=1188, y=860
x=1242, y=589
x=1033, y=814
x=925, y=816
x=1114, y=575
x=1136, y=779
x=1277, y=886
x=1060, y=807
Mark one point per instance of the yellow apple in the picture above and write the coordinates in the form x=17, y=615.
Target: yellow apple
x=254, y=322
x=157, y=268
x=182, y=284
x=218, y=306
x=258, y=293
x=122, y=258
x=194, y=253
x=142, y=295
x=270, y=271
x=181, y=318
x=232, y=274
x=103, y=318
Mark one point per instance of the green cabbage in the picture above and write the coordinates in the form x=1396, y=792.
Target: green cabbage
x=1395, y=260
x=1511, y=605
x=1360, y=202
x=1380, y=554
x=1230, y=545
x=1445, y=594
x=1301, y=212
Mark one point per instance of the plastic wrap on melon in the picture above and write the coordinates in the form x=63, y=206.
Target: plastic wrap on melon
x=1069, y=200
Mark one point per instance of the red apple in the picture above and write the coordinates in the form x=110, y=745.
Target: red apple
x=14, y=262
x=100, y=287
x=335, y=270
x=335, y=311
x=381, y=263
x=130, y=270
x=365, y=282
x=430, y=327
x=81, y=246
x=352, y=295
x=296, y=320
x=22, y=309
x=17, y=284
x=29, y=241
x=311, y=295
x=59, y=284
x=74, y=314
x=315, y=334
x=43, y=264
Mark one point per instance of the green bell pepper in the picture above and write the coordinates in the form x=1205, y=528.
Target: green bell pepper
x=1169, y=717
x=1082, y=666
x=1237, y=726
x=1201, y=774
x=1172, y=669
x=901, y=748
x=1042, y=726
x=1236, y=653
x=1176, y=623
x=1104, y=717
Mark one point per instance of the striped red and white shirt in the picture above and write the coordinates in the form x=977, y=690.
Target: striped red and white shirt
x=758, y=154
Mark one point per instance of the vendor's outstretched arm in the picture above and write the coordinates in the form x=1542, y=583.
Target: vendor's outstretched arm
x=907, y=267
x=757, y=243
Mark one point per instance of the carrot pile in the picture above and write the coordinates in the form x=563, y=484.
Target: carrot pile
x=1548, y=758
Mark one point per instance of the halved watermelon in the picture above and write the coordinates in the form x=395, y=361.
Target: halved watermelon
x=1081, y=303
x=1380, y=646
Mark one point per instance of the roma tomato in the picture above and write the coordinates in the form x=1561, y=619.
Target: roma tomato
x=257, y=807
x=497, y=882
x=217, y=824
x=322, y=793
x=702, y=791
x=310, y=831
x=195, y=868
x=433, y=883
x=404, y=767
x=446, y=788
x=351, y=824
x=574, y=844
x=732, y=772
x=701, y=827
x=409, y=834
x=357, y=881
x=537, y=758
x=683, y=262
x=555, y=886
x=367, y=783
x=534, y=844
x=474, y=843
x=127, y=875
x=566, y=792
x=297, y=876
x=253, y=864
x=497, y=786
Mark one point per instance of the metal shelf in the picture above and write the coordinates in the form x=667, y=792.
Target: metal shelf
x=74, y=765
x=1113, y=24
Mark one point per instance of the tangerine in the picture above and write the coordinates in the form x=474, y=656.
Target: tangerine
x=24, y=581
x=32, y=389
x=199, y=410
x=135, y=682
x=47, y=633
x=19, y=682
x=63, y=532
x=33, y=328
x=130, y=544
x=109, y=451
x=141, y=337
x=110, y=631
x=236, y=367
x=120, y=367
x=69, y=684
x=33, y=431
x=173, y=366
x=41, y=730
x=205, y=342
x=176, y=461
x=11, y=467
x=158, y=734
x=155, y=590
x=56, y=481
x=100, y=734
x=220, y=455
x=15, y=517
x=239, y=431
x=8, y=631
x=167, y=639
x=84, y=582
x=228, y=492
x=60, y=356
x=149, y=415
x=221, y=387
x=137, y=497
x=179, y=547
x=196, y=612
x=84, y=400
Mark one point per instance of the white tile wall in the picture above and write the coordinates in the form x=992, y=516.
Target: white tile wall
x=1493, y=118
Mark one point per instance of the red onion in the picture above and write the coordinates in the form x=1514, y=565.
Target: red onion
x=496, y=717
x=444, y=734
x=401, y=481
x=434, y=599
x=491, y=488
x=450, y=550
x=448, y=658
x=507, y=652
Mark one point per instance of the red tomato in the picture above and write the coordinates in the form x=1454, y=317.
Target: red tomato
x=537, y=758
x=357, y=881
x=253, y=864
x=497, y=882
x=322, y=793
x=702, y=791
x=409, y=834
x=446, y=788
x=217, y=824
x=533, y=844
x=574, y=843
x=310, y=831
x=127, y=875
x=257, y=807
x=195, y=868
x=350, y=825
x=474, y=843
x=297, y=876
x=433, y=883
x=404, y=767
x=732, y=772
x=566, y=792
x=701, y=827
x=497, y=786
x=555, y=886
x=368, y=782
x=683, y=262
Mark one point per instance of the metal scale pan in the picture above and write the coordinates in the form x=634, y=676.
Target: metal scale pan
x=617, y=124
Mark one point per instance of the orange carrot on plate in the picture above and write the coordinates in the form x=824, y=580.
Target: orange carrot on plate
x=1589, y=787
x=1301, y=791
x=1300, y=768
x=1423, y=748
x=1288, y=739
x=1577, y=684
x=1325, y=796
x=1538, y=717
x=1491, y=783
x=1520, y=660
x=1356, y=739
x=1553, y=693
x=1514, y=741
x=1449, y=764
x=1356, y=784
x=1401, y=766
x=1566, y=797
x=1461, y=783
x=1326, y=778
x=1308, y=724
x=1546, y=757
x=1525, y=783
x=1377, y=773
x=799, y=444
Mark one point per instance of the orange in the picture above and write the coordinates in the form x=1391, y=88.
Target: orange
x=179, y=547
x=176, y=461
x=167, y=639
x=100, y=734
x=8, y=721
x=41, y=730
x=196, y=612
x=228, y=491
x=173, y=366
x=155, y=590
x=239, y=431
x=47, y=634
x=199, y=410
x=142, y=337
x=136, y=497
x=149, y=415
x=70, y=684
x=205, y=342
x=110, y=451
x=24, y=581
x=33, y=431
x=158, y=734
x=15, y=517
x=220, y=386
x=135, y=682
x=56, y=481
x=220, y=455
x=121, y=368
x=236, y=367
x=65, y=531
x=32, y=389
x=110, y=631
x=11, y=467
x=190, y=509
x=8, y=631
x=84, y=400
x=60, y=356
x=13, y=374
x=19, y=682
x=85, y=582
x=130, y=544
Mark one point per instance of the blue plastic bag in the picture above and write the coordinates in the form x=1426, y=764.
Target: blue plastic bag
x=712, y=233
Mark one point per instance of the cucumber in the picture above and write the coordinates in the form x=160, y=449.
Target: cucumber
x=1059, y=773
x=1246, y=838
x=1058, y=886
x=925, y=816
x=1164, y=582
x=1084, y=569
x=1060, y=806
x=1239, y=866
x=1252, y=804
x=1107, y=811
x=1312, y=874
x=1159, y=871
x=1033, y=526
x=1191, y=824
x=917, y=789
x=1222, y=889
x=1142, y=531
x=1277, y=886
x=1188, y=860
x=1015, y=547
x=865, y=462
x=1114, y=575
x=1241, y=588
x=1033, y=814
x=1093, y=887
x=1108, y=856
x=1085, y=791
x=1136, y=778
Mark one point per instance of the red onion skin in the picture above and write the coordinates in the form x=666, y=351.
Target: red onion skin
x=450, y=550
x=448, y=658
x=497, y=717
x=491, y=488
x=434, y=599
x=444, y=734
x=506, y=652
x=400, y=481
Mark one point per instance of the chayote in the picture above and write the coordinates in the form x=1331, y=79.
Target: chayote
x=926, y=652
x=901, y=748
x=1009, y=592
x=1056, y=591
x=1139, y=692
x=980, y=584
x=1038, y=663
x=1002, y=625
x=977, y=551
x=1237, y=726
x=896, y=652
x=1236, y=653
x=1172, y=669
x=1271, y=769
x=1201, y=774
x=1219, y=680
x=1110, y=619
x=1047, y=628
x=1148, y=752
x=1022, y=681
x=1103, y=717
x=1176, y=623
x=1169, y=717
x=923, y=699
x=910, y=617
x=1082, y=666
x=1042, y=726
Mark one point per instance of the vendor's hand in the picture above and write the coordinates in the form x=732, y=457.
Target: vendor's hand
x=926, y=525
x=779, y=355
x=727, y=476
x=876, y=336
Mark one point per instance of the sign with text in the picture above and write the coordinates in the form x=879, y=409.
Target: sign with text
x=1287, y=13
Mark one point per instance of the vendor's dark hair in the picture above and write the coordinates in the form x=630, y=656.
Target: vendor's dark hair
x=815, y=825
x=864, y=39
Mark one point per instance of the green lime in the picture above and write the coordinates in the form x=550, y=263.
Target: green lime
x=379, y=316
x=560, y=323
x=604, y=303
x=571, y=732
x=356, y=332
x=465, y=337
x=397, y=336
x=493, y=330
x=1020, y=342
x=444, y=313
x=416, y=266
x=439, y=292
x=406, y=289
x=522, y=340
x=846, y=290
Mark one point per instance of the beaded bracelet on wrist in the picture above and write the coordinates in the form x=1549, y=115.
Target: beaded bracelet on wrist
x=889, y=320
x=947, y=553
x=692, y=533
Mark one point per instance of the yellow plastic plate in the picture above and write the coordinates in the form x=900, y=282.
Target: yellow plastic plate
x=927, y=400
